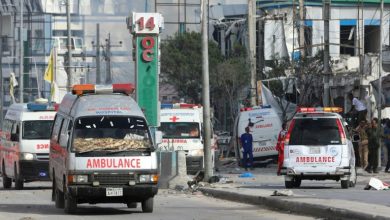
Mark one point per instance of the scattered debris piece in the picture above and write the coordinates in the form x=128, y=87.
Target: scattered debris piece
x=376, y=184
x=285, y=192
x=246, y=175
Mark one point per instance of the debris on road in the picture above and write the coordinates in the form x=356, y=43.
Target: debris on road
x=285, y=192
x=376, y=184
x=246, y=175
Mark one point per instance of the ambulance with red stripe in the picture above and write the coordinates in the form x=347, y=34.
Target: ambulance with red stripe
x=181, y=127
x=101, y=150
x=318, y=147
x=24, y=153
x=264, y=125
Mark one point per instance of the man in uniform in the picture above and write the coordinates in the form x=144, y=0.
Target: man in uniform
x=246, y=140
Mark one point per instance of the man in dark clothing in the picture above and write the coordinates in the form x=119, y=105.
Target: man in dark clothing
x=246, y=140
x=387, y=144
x=373, y=146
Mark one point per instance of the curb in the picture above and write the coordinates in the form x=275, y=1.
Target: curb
x=321, y=211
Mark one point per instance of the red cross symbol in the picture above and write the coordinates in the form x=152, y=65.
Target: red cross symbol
x=174, y=119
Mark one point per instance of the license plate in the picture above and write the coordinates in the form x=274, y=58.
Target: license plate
x=114, y=191
x=315, y=150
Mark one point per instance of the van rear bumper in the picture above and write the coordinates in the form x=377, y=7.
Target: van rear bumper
x=339, y=171
x=34, y=170
x=91, y=194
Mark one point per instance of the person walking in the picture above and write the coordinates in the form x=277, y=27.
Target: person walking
x=247, y=146
x=363, y=143
x=386, y=134
x=280, y=147
x=373, y=146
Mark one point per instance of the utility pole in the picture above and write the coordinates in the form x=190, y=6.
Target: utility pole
x=252, y=47
x=98, y=81
x=206, y=94
x=302, y=28
x=380, y=92
x=1, y=73
x=108, y=59
x=326, y=17
x=260, y=50
x=107, y=56
x=21, y=85
x=69, y=68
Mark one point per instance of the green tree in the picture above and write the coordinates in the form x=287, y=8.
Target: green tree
x=181, y=63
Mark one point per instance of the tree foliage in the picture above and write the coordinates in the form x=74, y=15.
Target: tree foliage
x=181, y=63
x=181, y=67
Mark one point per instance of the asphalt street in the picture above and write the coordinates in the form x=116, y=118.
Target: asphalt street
x=34, y=203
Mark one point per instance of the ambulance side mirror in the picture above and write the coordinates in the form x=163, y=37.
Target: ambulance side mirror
x=158, y=137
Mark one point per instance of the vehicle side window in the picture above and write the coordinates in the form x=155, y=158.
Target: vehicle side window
x=63, y=139
x=56, y=127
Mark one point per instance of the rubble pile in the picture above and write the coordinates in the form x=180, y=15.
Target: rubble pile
x=108, y=144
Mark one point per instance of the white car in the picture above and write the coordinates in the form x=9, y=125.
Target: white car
x=318, y=147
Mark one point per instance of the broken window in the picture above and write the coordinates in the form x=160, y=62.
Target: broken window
x=347, y=39
x=371, y=38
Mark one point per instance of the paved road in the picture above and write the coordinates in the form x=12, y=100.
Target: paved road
x=34, y=203
x=265, y=178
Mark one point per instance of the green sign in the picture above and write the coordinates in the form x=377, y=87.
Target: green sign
x=147, y=77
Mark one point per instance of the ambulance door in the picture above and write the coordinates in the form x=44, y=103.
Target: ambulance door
x=13, y=149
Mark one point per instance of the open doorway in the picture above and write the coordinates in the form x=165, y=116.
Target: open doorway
x=371, y=38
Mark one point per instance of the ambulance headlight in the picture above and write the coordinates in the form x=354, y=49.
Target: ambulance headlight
x=27, y=156
x=148, y=178
x=144, y=178
x=80, y=178
x=195, y=153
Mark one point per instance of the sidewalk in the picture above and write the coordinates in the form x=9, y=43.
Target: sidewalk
x=254, y=190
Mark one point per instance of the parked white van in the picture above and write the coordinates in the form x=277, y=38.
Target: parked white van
x=24, y=152
x=101, y=150
x=265, y=125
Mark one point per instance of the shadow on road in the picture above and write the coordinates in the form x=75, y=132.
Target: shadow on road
x=49, y=209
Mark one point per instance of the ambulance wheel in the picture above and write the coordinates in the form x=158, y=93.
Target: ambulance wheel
x=59, y=199
x=147, y=205
x=289, y=184
x=344, y=184
x=297, y=182
x=18, y=181
x=70, y=204
x=7, y=182
x=53, y=189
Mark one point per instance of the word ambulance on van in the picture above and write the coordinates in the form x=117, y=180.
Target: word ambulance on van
x=24, y=152
x=264, y=124
x=181, y=125
x=101, y=150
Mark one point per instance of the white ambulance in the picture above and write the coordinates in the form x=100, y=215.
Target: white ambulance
x=265, y=125
x=24, y=152
x=101, y=150
x=181, y=125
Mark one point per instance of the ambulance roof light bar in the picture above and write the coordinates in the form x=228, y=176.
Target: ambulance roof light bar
x=254, y=107
x=40, y=104
x=178, y=106
x=81, y=89
x=319, y=109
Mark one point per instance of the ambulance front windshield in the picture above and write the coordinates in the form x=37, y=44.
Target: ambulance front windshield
x=180, y=130
x=110, y=133
x=37, y=130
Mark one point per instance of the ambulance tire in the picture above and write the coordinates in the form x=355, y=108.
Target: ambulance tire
x=344, y=184
x=297, y=182
x=7, y=182
x=18, y=181
x=53, y=190
x=59, y=199
x=289, y=184
x=147, y=205
x=70, y=204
